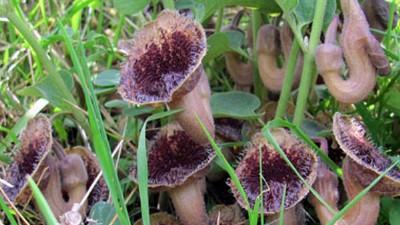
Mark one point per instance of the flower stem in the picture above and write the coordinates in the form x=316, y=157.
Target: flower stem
x=258, y=84
x=309, y=64
x=288, y=81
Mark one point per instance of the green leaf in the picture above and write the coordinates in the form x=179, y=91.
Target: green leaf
x=107, y=78
x=128, y=109
x=103, y=213
x=130, y=7
x=394, y=213
x=304, y=12
x=312, y=128
x=221, y=42
x=116, y=103
x=105, y=90
x=211, y=6
x=137, y=111
x=197, y=8
x=45, y=88
x=287, y=5
x=235, y=104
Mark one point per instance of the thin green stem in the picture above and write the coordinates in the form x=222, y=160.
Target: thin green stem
x=255, y=25
x=296, y=33
x=309, y=64
x=116, y=37
x=389, y=31
x=118, y=31
x=261, y=181
x=99, y=28
x=219, y=19
x=288, y=81
x=69, y=102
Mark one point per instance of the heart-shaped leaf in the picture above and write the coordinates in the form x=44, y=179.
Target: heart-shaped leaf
x=222, y=42
x=235, y=104
x=107, y=78
x=129, y=7
x=287, y=5
x=304, y=12
x=103, y=213
x=394, y=213
x=45, y=88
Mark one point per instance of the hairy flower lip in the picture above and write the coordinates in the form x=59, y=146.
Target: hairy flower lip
x=165, y=135
x=178, y=165
x=296, y=152
x=352, y=138
x=154, y=35
x=36, y=142
x=164, y=66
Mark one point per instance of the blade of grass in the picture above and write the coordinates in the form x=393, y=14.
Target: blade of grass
x=42, y=203
x=261, y=179
x=224, y=164
x=358, y=197
x=68, y=102
x=7, y=211
x=282, y=208
x=288, y=81
x=100, y=140
x=253, y=218
x=142, y=165
x=300, y=134
x=267, y=134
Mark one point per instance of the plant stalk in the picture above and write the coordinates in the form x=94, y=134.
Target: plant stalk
x=288, y=80
x=256, y=21
x=309, y=62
